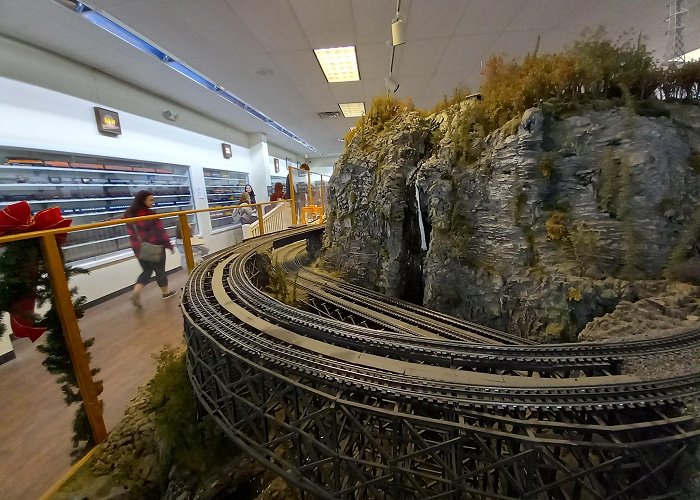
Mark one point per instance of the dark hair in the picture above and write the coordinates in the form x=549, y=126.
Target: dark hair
x=280, y=186
x=139, y=203
x=252, y=193
x=304, y=166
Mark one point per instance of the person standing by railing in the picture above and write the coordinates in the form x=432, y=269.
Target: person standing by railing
x=278, y=193
x=249, y=189
x=149, y=240
x=244, y=215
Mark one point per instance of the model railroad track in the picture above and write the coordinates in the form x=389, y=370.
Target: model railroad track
x=343, y=410
x=387, y=312
x=445, y=325
x=590, y=352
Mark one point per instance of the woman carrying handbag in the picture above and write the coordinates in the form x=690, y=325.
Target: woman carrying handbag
x=149, y=240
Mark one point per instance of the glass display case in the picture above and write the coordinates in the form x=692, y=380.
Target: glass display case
x=91, y=189
x=224, y=187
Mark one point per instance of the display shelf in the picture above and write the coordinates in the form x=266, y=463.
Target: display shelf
x=91, y=189
x=223, y=187
x=78, y=169
x=69, y=200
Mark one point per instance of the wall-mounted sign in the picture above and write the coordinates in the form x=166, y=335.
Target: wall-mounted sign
x=226, y=149
x=277, y=165
x=108, y=122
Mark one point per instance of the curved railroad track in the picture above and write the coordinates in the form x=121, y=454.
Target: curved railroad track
x=389, y=402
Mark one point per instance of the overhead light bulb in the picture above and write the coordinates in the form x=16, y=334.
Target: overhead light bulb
x=390, y=84
x=398, y=32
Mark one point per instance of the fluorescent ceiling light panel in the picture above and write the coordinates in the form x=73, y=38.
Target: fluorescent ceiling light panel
x=338, y=64
x=126, y=34
x=693, y=55
x=352, y=109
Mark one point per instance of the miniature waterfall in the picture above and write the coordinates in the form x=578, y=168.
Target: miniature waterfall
x=423, y=244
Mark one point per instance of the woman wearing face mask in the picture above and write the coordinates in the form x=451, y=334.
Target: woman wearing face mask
x=151, y=233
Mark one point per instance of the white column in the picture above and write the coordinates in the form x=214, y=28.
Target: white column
x=260, y=165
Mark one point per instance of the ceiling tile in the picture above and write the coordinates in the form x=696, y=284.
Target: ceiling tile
x=229, y=40
x=215, y=21
x=346, y=91
x=465, y=52
x=514, y=44
x=273, y=23
x=373, y=60
x=542, y=15
x=373, y=20
x=431, y=19
x=319, y=96
x=300, y=67
x=326, y=24
x=488, y=16
x=444, y=84
x=420, y=57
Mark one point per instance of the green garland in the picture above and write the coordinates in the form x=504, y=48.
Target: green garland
x=13, y=257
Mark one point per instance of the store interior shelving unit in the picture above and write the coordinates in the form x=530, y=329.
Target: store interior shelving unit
x=224, y=187
x=92, y=189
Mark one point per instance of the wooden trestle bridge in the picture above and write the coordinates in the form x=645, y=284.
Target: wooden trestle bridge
x=354, y=395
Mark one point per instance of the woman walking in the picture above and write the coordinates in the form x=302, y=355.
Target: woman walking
x=148, y=240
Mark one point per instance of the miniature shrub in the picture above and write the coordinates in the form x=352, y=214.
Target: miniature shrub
x=556, y=226
x=573, y=294
x=584, y=244
x=686, y=272
x=382, y=111
x=546, y=165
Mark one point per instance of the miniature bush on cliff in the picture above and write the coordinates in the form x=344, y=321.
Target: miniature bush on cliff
x=382, y=111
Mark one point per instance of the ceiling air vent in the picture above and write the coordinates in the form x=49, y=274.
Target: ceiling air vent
x=329, y=114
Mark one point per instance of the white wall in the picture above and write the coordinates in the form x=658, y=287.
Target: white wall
x=46, y=102
x=323, y=164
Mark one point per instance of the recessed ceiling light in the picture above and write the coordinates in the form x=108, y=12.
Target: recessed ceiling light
x=339, y=64
x=352, y=109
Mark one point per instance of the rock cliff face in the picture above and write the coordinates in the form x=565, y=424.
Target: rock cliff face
x=554, y=224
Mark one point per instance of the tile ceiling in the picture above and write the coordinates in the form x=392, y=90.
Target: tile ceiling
x=262, y=50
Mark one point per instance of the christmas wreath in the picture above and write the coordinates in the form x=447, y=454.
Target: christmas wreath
x=24, y=282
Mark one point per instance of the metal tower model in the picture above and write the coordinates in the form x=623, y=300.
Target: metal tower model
x=674, y=51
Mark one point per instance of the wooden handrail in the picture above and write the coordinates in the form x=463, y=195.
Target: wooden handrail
x=115, y=222
x=64, y=305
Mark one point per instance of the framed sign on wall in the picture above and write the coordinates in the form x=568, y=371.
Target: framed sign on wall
x=107, y=122
x=226, y=150
x=277, y=165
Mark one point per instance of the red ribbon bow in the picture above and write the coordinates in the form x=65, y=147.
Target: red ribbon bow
x=17, y=218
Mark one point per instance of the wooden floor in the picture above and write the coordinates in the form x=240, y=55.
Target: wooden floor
x=35, y=424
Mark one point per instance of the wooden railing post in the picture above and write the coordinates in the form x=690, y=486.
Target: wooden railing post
x=261, y=222
x=309, y=189
x=291, y=195
x=71, y=332
x=186, y=241
x=323, y=195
